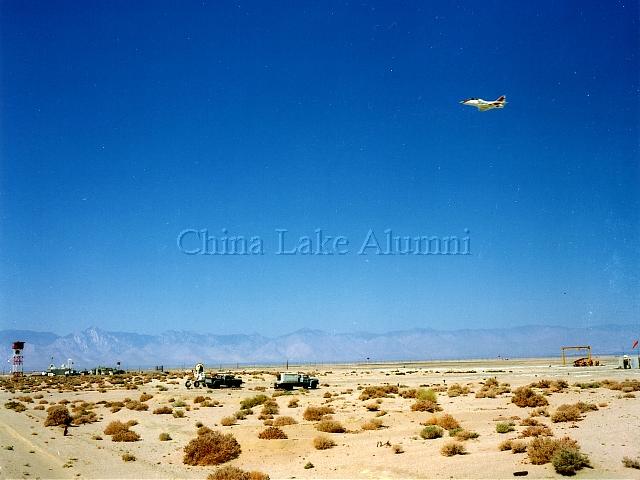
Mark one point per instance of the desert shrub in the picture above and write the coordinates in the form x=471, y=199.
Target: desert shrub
x=83, y=417
x=316, y=413
x=456, y=390
x=125, y=436
x=199, y=399
x=526, y=397
x=462, y=434
x=566, y=413
x=229, y=472
x=373, y=424
x=378, y=391
x=328, y=425
x=227, y=421
x=397, y=449
x=164, y=437
x=587, y=385
x=585, y=407
x=57, y=415
x=127, y=457
x=372, y=407
x=272, y=433
x=240, y=414
x=536, y=431
x=323, y=443
x=251, y=402
x=539, y=412
x=445, y=421
x=631, y=462
x=425, y=406
x=211, y=448
x=15, y=406
x=541, y=449
x=39, y=407
x=431, y=431
x=163, y=410
x=453, y=448
x=136, y=405
x=145, y=396
x=270, y=407
x=529, y=422
x=293, y=403
x=504, y=427
x=282, y=421
x=568, y=460
x=491, y=382
x=178, y=413
x=518, y=446
x=505, y=445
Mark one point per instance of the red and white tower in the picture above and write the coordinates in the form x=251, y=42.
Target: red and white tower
x=18, y=359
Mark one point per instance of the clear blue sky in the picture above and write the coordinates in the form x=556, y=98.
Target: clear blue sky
x=124, y=123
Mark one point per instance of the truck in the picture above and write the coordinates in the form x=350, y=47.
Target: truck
x=288, y=381
x=218, y=380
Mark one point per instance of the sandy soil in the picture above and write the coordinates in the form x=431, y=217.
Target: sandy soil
x=28, y=449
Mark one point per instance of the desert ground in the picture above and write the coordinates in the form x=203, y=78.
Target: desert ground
x=606, y=427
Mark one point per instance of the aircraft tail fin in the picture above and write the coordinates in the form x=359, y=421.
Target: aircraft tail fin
x=502, y=98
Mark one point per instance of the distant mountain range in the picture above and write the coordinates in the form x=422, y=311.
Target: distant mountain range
x=93, y=346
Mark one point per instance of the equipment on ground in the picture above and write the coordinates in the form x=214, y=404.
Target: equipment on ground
x=580, y=362
x=288, y=381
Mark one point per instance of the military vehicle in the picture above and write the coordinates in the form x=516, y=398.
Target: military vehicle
x=288, y=381
x=219, y=380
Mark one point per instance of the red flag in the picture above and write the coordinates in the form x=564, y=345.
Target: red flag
x=635, y=344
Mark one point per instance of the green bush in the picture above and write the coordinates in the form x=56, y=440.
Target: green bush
x=431, y=431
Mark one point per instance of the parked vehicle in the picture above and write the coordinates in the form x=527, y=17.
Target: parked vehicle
x=288, y=381
x=201, y=379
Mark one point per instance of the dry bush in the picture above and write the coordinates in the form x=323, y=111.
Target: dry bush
x=178, y=413
x=323, y=443
x=240, y=414
x=328, y=425
x=566, y=413
x=539, y=412
x=229, y=472
x=530, y=422
x=526, y=397
x=163, y=410
x=293, y=403
x=228, y=421
x=125, y=436
x=378, y=391
x=445, y=421
x=283, y=421
x=541, y=449
x=568, y=460
x=518, y=446
x=251, y=402
x=505, y=445
x=631, y=462
x=211, y=448
x=39, y=407
x=373, y=424
x=270, y=407
x=145, y=396
x=372, y=407
x=84, y=416
x=272, y=433
x=431, y=431
x=316, y=413
x=199, y=399
x=536, y=431
x=15, y=406
x=586, y=407
x=136, y=405
x=425, y=406
x=164, y=437
x=115, y=427
x=57, y=415
x=127, y=457
x=625, y=386
x=397, y=449
x=504, y=427
x=456, y=390
x=463, y=435
x=453, y=448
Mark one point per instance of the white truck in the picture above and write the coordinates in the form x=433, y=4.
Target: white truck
x=288, y=381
